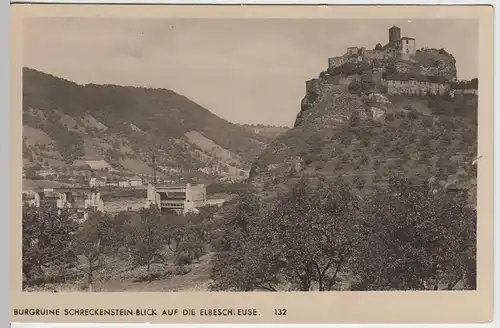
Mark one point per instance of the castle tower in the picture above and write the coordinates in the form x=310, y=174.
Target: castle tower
x=394, y=34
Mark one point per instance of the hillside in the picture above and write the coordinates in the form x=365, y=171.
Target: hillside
x=267, y=131
x=116, y=128
x=367, y=138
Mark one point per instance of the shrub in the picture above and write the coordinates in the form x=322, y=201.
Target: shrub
x=413, y=114
x=354, y=87
x=182, y=259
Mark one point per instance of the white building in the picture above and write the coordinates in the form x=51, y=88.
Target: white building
x=94, y=182
x=78, y=199
x=182, y=199
x=415, y=85
x=135, y=182
x=46, y=173
x=124, y=184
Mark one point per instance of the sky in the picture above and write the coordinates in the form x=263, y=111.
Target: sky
x=243, y=70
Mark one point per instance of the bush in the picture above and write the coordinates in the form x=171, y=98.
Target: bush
x=181, y=270
x=354, y=87
x=363, y=86
x=351, y=69
x=182, y=259
x=413, y=114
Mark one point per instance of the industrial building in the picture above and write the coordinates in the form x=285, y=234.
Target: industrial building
x=79, y=199
x=181, y=199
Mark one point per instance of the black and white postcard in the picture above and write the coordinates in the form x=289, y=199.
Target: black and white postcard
x=252, y=164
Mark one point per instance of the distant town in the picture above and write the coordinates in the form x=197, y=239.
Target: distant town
x=84, y=194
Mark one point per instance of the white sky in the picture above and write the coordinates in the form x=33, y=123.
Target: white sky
x=245, y=71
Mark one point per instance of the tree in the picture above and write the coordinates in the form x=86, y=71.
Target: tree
x=301, y=240
x=27, y=153
x=355, y=87
x=47, y=240
x=363, y=86
x=231, y=268
x=146, y=237
x=96, y=238
x=191, y=244
x=355, y=119
x=414, y=239
x=378, y=46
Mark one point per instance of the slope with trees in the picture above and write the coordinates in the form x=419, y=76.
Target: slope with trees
x=122, y=124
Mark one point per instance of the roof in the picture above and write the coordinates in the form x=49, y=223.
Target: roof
x=394, y=27
x=406, y=38
x=421, y=78
x=170, y=186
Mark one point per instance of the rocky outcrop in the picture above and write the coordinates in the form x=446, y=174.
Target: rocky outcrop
x=326, y=111
x=326, y=97
x=364, y=139
x=429, y=62
x=426, y=62
x=433, y=62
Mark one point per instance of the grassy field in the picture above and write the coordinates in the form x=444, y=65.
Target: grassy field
x=119, y=276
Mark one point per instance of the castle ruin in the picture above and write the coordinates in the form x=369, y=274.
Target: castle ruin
x=342, y=70
x=397, y=47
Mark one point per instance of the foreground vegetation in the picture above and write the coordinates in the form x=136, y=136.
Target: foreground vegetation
x=322, y=237
x=59, y=250
x=317, y=236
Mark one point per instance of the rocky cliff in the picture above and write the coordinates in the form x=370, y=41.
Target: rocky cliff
x=366, y=139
